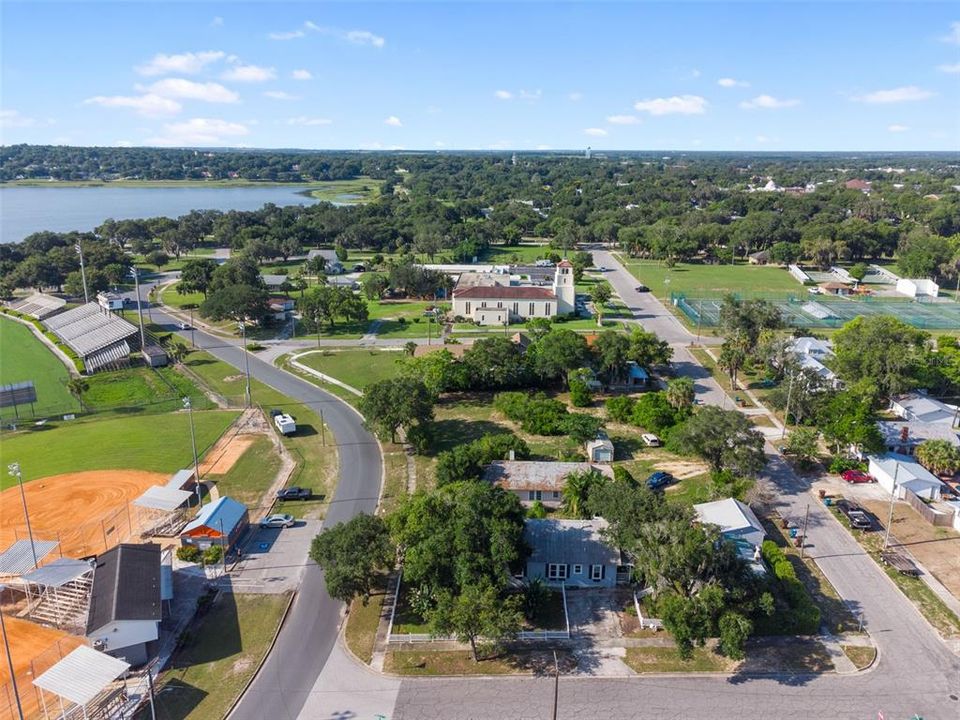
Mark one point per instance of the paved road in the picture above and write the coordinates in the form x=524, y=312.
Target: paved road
x=292, y=668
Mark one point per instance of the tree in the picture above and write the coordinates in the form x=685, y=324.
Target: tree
x=77, y=386
x=846, y=419
x=388, y=405
x=374, y=285
x=883, y=350
x=803, y=444
x=734, y=631
x=681, y=393
x=558, y=352
x=653, y=412
x=157, y=257
x=236, y=302
x=477, y=612
x=734, y=354
x=939, y=456
x=724, y=438
x=325, y=303
x=646, y=349
x=496, y=363
x=581, y=428
x=611, y=350
x=749, y=317
x=803, y=388
x=858, y=271
x=580, y=261
x=576, y=490
x=352, y=555
x=196, y=276
x=601, y=294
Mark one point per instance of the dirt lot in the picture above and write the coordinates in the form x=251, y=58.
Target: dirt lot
x=87, y=511
x=937, y=548
x=230, y=448
x=34, y=649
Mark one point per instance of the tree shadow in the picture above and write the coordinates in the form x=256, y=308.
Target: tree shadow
x=792, y=661
x=626, y=448
x=174, y=700
x=213, y=634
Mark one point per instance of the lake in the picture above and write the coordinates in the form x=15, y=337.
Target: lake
x=25, y=210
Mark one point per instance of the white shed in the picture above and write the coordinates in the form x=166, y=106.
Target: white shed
x=600, y=449
x=894, y=472
x=914, y=287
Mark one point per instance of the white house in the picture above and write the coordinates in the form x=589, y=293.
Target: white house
x=919, y=407
x=332, y=266
x=811, y=354
x=532, y=480
x=895, y=472
x=499, y=301
x=903, y=436
x=571, y=553
x=125, y=601
x=735, y=519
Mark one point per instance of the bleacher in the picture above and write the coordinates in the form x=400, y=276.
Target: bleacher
x=38, y=305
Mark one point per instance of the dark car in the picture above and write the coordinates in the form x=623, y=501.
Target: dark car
x=642, y=288
x=858, y=518
x=659, y=480
x=294, y=493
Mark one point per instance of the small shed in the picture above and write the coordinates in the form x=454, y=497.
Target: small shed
x=600, y=449
x=761, y=257
x=636, y=377
x=220, y=522
x=836, y=288
x=155, y=356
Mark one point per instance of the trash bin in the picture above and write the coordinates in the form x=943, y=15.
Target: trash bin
x=798, y=542
x=828, y=501
x=793, y=532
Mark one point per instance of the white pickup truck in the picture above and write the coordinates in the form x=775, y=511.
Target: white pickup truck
x=285, y=424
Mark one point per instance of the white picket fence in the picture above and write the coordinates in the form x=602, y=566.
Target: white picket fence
x=652, y=623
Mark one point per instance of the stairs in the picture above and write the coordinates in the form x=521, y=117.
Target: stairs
x=66, y=605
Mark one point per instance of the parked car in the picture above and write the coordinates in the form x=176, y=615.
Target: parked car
x=659, y=480
x=294, y=493
x=183, y=326
x=650, y=440
x=642, y=288
x=278, y=521
x=857, y=476
x=602, y=269
x=858, y=518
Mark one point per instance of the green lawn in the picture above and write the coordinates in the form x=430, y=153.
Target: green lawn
x=358, y=190
x=695, y=278
x=357, y=368
x=171, y=297
x=363, y=621
x=159, y=443
x=667, y=659
x=503, y=254
x=251, y=476
x=24, y=357
x=220, y=656
x=141, y=386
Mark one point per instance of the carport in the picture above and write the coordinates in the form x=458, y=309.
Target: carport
x=164, y=508
x=85, y=679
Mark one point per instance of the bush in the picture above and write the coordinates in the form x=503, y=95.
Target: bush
x=804, y=618
x=420, y=437
x=620, y=408
x=537, y=510
x=840, y=463
x=466, y=462
x=511, y=404
x=580, y=395
x=213, y=554
x=188, y=553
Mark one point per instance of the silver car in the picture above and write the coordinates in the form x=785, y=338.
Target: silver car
x=278, y=521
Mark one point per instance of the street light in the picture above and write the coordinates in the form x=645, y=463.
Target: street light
x=83, y=272
x=193, y=440
x=246, y=361
x=136, y=279
x=14, y=470
x=6, y=647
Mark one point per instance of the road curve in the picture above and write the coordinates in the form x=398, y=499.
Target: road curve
x=289, y=673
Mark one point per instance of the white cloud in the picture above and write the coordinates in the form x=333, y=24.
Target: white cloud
x=439, y=144
x=953, y=37
x=216, y=22
x=949, y=69
x=767, y=102
x=13, y=119
x=199, y=131
x=896, y=128
x=575, y=96
x=530, y=94
x=499, y=145
x=184, y=64
x=280, y=95
x=762, y=139
x=123, y=143
x=908, y=93
x=623, y=119
x=148, y=105
x=393, y=121
x=503, y=95
x=595, y=132
x=190, y=90
x=291, y=35
x=249, y=73
x=301, y=75
x=544, y=147
x=676, y=105
x=364, y=37
x=730, y=82
x=309, y=121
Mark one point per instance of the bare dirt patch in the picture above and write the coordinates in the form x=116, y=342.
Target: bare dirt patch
x=682, y=469
x=936, y=548
x=86, y=511
x=234, y=443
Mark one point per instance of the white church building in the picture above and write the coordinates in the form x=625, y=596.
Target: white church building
x=499, y=299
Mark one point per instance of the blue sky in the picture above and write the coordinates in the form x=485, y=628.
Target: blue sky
x=537, y=75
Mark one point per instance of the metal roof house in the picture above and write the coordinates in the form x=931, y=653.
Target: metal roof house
x=571, y=553
x=125, y=601
x=922, y=408
x=903, y=436
x=222, y=521
x=533, y=480
x=333, y=265
x=735, y=519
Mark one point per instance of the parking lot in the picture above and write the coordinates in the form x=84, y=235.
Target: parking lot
x=273, y=559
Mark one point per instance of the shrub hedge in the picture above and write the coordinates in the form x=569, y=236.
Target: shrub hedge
x=804, y=618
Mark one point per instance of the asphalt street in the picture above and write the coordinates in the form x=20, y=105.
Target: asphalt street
x=283, y=684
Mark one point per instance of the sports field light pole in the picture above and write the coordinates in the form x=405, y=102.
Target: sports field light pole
x=246, y=361
x=136, y=279
x=83, y=272
x=6, y=647
x=14, y=470
x=193, y=440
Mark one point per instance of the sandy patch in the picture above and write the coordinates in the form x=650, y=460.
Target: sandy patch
x=224, y=454
x=682, y=469
x=87, y=511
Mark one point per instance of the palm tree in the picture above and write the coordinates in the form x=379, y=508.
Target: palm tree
x=939, y=456
x=77, y=387
x=680, y=392
x=576, y=491
x=733, y=356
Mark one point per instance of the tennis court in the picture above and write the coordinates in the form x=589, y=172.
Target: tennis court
x=819, y=311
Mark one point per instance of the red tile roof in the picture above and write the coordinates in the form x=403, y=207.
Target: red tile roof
x=564, y=263
x=505, y=292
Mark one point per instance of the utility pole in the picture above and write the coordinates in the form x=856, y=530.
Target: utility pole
x=83, y=272
x=14, y=470
x=153, y=710
x=323, y=430
x=193, y=341
x=246, y=362
x=893, y=497
x=136, y=280
x=803, y=537
x=6, y=647
x=193, y=440
x=786, y=412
